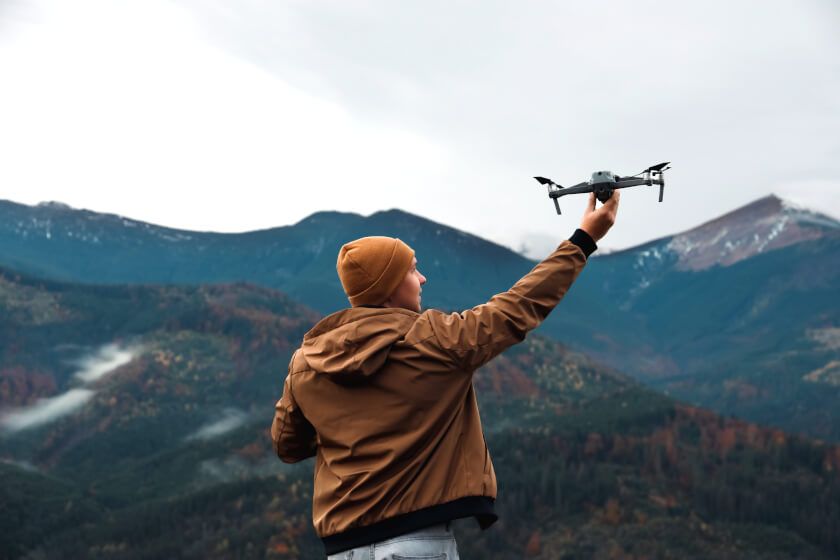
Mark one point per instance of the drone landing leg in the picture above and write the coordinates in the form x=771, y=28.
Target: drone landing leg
x=662, y=184
x=557, y=205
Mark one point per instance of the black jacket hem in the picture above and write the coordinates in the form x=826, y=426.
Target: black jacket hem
x=481, y=507
x=584, y=241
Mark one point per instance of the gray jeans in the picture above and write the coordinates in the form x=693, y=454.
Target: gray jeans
x=429, y=543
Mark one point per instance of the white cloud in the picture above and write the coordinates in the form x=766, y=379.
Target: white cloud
x=25, y=465
x=233, y=467
x=235, y=116
x=105, y=360
x=46, y=410
x=93, y=366
x=122, y=107
x=230, y=419
x=814, y=194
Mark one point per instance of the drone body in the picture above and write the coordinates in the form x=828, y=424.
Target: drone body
x=603, y=183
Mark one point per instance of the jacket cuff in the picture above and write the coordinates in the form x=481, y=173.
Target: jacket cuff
x=584, y=241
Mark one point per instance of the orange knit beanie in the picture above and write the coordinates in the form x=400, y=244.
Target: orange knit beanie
x=371, y=268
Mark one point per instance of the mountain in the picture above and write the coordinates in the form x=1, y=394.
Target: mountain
x=739, y=314
x=761, y=227
x=135, y=425
x=52, y=240
x=765, y=225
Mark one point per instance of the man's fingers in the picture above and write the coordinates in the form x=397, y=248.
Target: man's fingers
x=612, y=203
x=590, y=204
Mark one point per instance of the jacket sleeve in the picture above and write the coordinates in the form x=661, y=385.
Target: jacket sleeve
x=474, y=337
x=291, y=433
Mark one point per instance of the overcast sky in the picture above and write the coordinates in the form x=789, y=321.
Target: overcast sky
x=241, y=115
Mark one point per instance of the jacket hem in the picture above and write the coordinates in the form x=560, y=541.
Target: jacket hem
x=480, y=507
x=584, y=241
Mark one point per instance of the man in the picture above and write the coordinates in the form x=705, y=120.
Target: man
x=381, y=394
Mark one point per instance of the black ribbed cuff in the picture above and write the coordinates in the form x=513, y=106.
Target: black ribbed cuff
x=584, y=241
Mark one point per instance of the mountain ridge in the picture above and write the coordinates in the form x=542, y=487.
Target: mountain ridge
x=733, y=336
x=772, y=199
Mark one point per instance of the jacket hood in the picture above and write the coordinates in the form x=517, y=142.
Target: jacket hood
x=352, y=344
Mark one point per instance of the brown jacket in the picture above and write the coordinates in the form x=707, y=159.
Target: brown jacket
x=383, y=398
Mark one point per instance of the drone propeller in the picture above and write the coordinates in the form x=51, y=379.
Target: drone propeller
x=659, y=167
x=549, y=182
x=544, y=181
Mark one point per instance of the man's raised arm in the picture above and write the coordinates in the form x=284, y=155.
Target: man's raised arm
x=475, y=336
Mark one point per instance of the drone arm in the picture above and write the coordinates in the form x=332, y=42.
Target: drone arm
x=576, y=189
x=633, y=182
x=623, y=183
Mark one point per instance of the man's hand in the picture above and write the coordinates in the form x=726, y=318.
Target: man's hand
x=598, y=222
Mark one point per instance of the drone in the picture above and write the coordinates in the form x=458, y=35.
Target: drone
x=603, y=183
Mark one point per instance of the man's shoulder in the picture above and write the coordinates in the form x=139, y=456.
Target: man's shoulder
x=423, y=328
x=297, y=363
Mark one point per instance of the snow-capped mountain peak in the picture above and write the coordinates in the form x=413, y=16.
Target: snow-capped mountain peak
x=764, y=225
